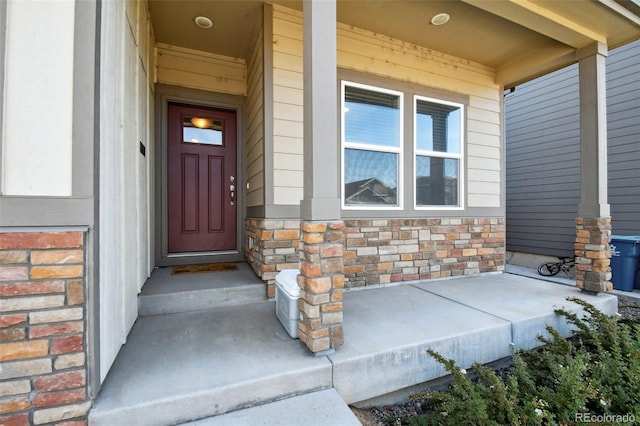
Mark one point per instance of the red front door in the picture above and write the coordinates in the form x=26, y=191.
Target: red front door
x=202, y=177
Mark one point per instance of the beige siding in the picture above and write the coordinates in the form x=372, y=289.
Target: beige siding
x=367, y=52
x=372, y=53
x=125, y=195
x=287, y=145
x=255, y=122
x=287, y=107
x=200, y=70
x=36, y=157
x=478, y=199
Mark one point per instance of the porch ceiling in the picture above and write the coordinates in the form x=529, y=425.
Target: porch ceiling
x=520, y=39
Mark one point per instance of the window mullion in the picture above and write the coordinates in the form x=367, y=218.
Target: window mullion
x=367, y=147
x=437, y=154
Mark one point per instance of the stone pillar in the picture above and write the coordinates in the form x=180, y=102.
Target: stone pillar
x=322, y=278
x=592, y=254
x=321, y=282
x=43, y=351
x=593, y=225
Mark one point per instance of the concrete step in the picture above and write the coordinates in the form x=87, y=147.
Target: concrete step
x=197, y=300
x=324, y=407
x=165, y=293
x=181, y=367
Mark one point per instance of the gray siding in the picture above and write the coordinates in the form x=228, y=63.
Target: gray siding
x=623, y=123
x=542, y=155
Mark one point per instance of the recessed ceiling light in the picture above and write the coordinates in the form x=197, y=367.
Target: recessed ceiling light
x=203, y=22
x=440, y=19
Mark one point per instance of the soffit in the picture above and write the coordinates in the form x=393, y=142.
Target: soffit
x=233, y=24
x=520, y=39
x=471, y=33
x=610, y=18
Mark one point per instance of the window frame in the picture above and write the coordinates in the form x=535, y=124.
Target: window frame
x=399, y=150
x=426, y=153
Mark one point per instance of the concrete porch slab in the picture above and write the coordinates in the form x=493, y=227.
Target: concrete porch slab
x=528, y=304
x=181, y=367
x=388, y=330
x=469, y=319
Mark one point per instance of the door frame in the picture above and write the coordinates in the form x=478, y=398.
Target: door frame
x=164, y=94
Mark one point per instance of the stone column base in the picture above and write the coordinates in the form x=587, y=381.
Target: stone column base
x=43, y=328
x=321, y=282
x=593, y=273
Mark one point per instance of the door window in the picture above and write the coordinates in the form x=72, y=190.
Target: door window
x=202, y=130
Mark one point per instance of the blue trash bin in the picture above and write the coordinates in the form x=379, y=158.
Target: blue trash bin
x=625, y=255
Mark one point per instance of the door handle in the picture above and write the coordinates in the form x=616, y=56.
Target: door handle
x=232, y=190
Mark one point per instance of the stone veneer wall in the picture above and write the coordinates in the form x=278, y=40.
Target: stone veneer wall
x=43, y=372
x=593, y=255
x=271, y=245
x=321, y=282
x=382, y=251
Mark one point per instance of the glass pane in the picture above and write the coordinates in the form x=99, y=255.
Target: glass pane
x=371, y=117
x=202, y=130
x=437, y=127
x=436, y=181
x=370, y=177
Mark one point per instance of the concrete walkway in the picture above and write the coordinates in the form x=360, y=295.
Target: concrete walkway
x=187, y=366
x=323, y=407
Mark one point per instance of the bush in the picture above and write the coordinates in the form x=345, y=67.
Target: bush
x=594, y=374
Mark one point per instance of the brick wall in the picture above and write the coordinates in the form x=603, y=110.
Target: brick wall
x=382, y=251
x=43, y=374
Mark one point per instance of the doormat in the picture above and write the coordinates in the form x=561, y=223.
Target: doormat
x=205, y=267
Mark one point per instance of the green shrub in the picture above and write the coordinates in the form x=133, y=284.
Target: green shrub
x=596, y=373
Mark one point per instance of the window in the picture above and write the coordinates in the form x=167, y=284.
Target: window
x=375, y=155
x=438, y=130
x=372, y=142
